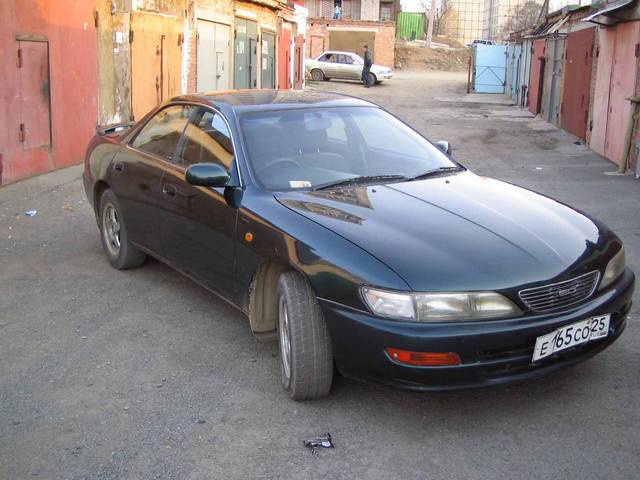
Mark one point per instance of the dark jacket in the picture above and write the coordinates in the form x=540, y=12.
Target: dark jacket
x=367, y=59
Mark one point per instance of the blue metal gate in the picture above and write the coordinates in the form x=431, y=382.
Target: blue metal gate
x=489, y=68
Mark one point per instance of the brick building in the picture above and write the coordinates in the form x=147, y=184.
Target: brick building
x=360, y=22
x=352, y=36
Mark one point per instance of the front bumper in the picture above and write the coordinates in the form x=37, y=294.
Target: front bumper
x=492, y=352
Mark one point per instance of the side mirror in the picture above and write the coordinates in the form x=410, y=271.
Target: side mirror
x=207, y=175
x=444, y=146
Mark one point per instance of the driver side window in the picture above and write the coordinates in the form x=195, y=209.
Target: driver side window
x=161, y=133
x=206, y=140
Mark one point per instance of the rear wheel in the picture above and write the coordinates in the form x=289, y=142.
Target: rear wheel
x=113, y=234
x=306, y=358
x=317, y=75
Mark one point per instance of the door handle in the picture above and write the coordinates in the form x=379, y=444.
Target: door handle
x=168, y=189
x=118, y=167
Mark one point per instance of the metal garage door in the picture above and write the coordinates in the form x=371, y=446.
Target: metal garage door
x=35, y=114
x=536, y=76
x=268, y=63
x=552, y=89
x=525, y=66
x=245, y=49
x=156, y=60
x=284, y=57
x=489, y=68
x=577, y=82
x=623, y=82
x=213, y=56
x=515, y=73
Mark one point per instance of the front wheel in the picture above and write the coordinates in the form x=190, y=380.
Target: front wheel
x=372, y=79
x=306, y=356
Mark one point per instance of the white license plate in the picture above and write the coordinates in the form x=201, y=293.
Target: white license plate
x=571, y=335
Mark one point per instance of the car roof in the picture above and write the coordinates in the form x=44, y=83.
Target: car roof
x=261, y=100
x=337, y=52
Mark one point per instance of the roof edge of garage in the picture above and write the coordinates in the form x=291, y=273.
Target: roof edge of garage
x=606, y=17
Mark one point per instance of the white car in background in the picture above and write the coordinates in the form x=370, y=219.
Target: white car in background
x=343, y=65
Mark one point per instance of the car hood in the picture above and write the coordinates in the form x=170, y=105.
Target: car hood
x=459, y=232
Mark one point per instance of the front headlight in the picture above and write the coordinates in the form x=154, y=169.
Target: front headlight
x=614, y=269
x=390, y=304
x=439, y=307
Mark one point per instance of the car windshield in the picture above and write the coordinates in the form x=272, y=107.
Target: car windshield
x=314, y=148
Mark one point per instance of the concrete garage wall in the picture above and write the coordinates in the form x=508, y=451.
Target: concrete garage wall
x=321, y=34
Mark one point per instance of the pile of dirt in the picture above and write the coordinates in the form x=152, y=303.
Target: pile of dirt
x=447, y=41
x=416, y=56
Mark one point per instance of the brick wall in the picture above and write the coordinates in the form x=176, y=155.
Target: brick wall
x=190, y=52
x=384, y=47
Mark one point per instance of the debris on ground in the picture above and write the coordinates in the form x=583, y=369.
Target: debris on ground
x=322, y=441
x=414, y=56
x=31, y=213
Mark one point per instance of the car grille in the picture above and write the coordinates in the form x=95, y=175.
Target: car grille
x=560, y=295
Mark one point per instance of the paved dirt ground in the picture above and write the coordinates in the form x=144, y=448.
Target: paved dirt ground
x=143, y=374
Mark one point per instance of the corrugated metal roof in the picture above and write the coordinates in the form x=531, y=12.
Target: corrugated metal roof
x=604, y=17
x=549, y=28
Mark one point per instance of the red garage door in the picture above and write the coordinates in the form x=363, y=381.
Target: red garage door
x=536, y=77
x=577, y=82
x=284, y=57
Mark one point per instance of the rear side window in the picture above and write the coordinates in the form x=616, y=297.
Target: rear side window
x=346, y=59
x=206, y=140
x=161, y=134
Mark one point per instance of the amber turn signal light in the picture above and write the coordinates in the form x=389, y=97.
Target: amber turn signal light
x=423, y=359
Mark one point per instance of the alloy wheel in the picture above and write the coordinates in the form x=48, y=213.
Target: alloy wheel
x=111, y=229
x=285, y=337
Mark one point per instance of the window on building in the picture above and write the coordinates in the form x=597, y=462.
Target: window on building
x=386, y=12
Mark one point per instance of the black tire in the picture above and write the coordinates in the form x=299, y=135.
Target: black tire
x=317, y=75
x=310, y=355
x=122, y=255
x=372, y=79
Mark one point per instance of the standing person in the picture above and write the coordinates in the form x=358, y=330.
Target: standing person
x=367, y=67
x=337, y=13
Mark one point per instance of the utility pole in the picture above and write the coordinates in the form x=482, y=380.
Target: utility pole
x=432, y=14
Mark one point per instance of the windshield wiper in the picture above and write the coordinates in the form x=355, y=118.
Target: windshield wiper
x=435, y=172
x=359, y=180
